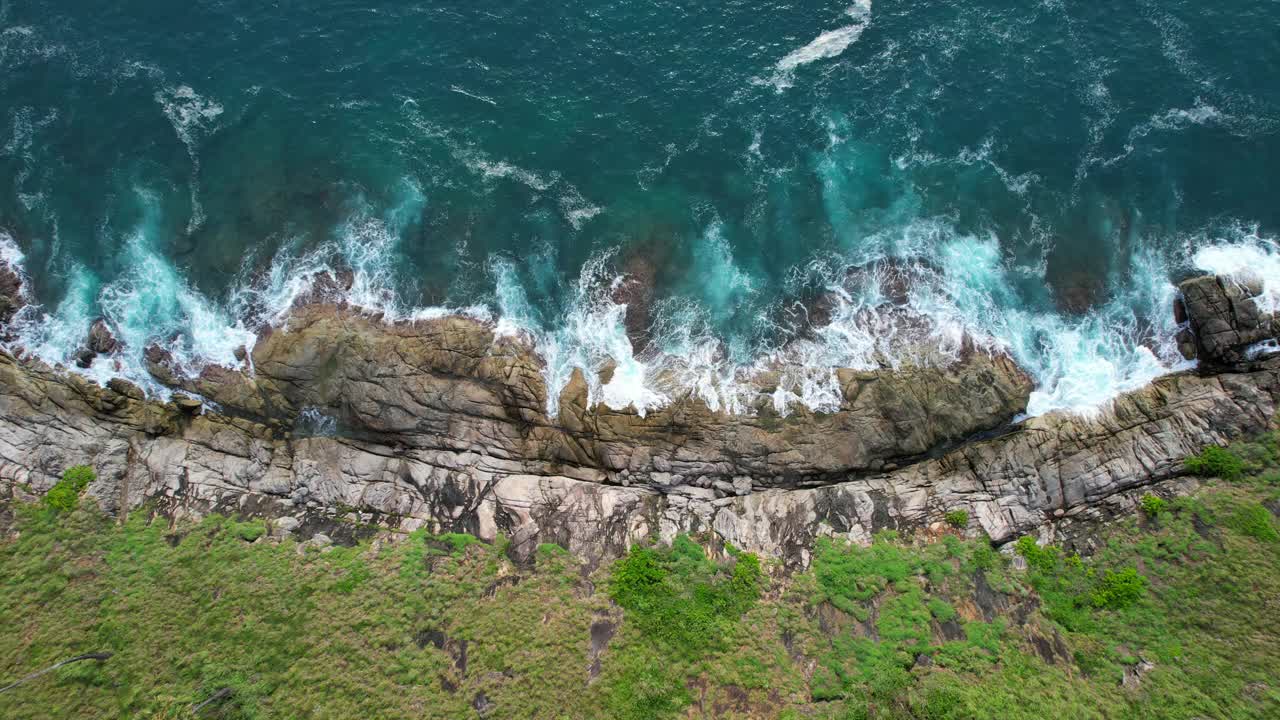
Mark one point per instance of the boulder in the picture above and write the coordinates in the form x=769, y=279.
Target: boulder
x=1224, y=317
x=101, y=341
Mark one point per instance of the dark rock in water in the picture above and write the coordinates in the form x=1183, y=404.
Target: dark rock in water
x=101, y=341
x=892, y=280
x=160, y=365
x=327, y=287
x=1223, y=319
x=635, y=290
x=84, y=357
x=241, y=353
x=12, y=297
x=1077, y=293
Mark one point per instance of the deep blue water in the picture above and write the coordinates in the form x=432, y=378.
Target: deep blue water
x=1040, y=172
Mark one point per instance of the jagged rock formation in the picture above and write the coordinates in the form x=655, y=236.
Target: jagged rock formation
x=1224, y=319
x=440, y=423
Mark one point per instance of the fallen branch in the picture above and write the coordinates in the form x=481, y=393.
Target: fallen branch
x=88, y=656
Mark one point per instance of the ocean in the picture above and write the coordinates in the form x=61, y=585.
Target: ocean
x=687, y=193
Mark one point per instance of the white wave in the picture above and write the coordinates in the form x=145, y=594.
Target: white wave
x=504, y=170
x=10, y=253
x=575, y=208
x=959, y=293
x=152, y=302
x=461, y=91
x=1171, y=120
x=1250, y=258
x=829, y=44
x=192, y=116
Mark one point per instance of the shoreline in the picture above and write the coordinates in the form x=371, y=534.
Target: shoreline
x=442, y=424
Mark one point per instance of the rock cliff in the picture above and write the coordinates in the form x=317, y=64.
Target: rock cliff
x=442, y=424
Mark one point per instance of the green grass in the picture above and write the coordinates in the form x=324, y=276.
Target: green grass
x=896, y=630
x=64, y=496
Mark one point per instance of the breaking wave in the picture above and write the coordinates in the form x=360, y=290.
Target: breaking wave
x=930, y=294
x=829, y=44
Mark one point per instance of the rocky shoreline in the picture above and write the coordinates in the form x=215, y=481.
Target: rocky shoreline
x=442, y=424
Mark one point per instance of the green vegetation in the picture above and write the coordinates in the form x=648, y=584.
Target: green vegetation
x=1216, y=462
x=1152, y=505
x=958, y=519
x=439, y=626
x=64, y=496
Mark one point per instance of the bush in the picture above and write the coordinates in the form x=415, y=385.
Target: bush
x=681, y=599
x=1216, y=462
x=1152, y=505
x=1118, y=590
x=958, y=519
x=64, y=496
x=1042, y=559
x=941, y=609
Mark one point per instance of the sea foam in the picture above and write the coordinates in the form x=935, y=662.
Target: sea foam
x=829, y=44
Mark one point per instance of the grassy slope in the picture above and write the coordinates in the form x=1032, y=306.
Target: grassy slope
x=441, y=627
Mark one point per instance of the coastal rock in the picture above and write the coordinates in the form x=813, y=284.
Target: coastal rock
x=101, y=341
x=635, y=290
x=441, y=424
x=1225, y=317
x=12, y=297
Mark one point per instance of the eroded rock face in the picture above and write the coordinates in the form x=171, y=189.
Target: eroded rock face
x=1225, y=319
x=12, y=296
x=441, y=424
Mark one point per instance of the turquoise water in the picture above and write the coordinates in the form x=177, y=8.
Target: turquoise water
x=1037, y=175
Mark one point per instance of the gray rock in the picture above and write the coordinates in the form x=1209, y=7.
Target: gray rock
x=443, y=426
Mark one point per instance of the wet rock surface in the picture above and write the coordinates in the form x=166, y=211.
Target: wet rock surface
x=1225, y=320
x=440, y=424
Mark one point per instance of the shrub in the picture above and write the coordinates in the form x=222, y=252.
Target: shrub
x=636, y=577
x=1118, y=590
x=681, y=599
x=941, y=609
x=1152, y=505
x=1042, y=559
x=983, y=557
x=1216, y=462
x=958, y=519
x=849, y=575
x=64, y=496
